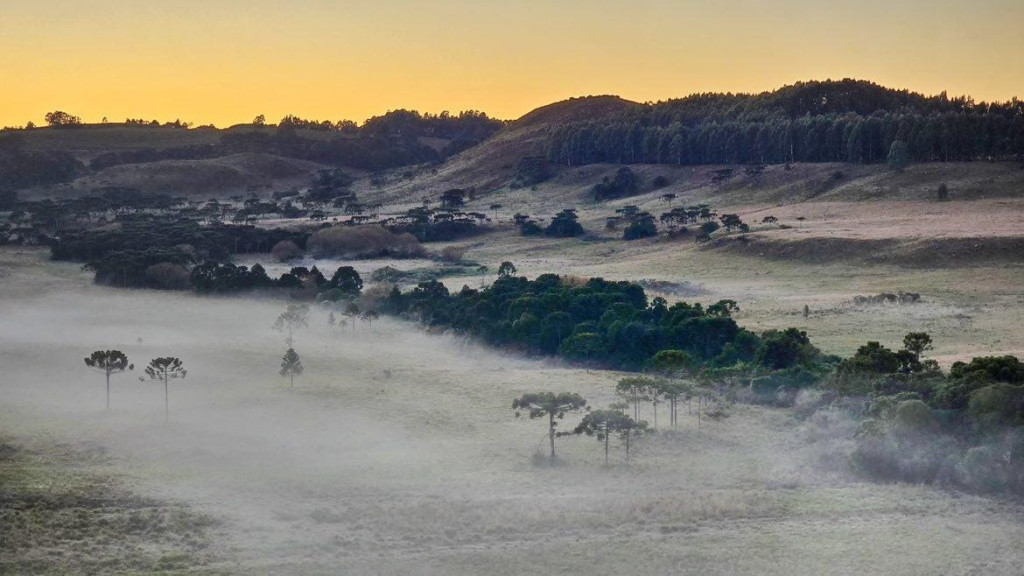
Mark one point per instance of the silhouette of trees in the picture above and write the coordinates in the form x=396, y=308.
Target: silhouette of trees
x=164, y=370
x=831, y=121
x=554, y=406
x=108, y=363
x=60, y=119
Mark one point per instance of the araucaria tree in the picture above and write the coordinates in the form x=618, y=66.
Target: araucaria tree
x=164, y=370
x=554, y=406
x=602, y=424
x=291, y=365
x=108, y=362
x=295, y=317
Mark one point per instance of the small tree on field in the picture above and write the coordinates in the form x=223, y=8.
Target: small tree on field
x=554, y=406
x=291, y=365
x=108, y=362
x=295, y=317
x=943, y=192
x=164, y=370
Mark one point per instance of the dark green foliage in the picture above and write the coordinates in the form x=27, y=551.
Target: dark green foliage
x=20, y=168
x=121, y=255
x=531, y=170
x=732, y=222
x=382, y=142
x=429, y=225
x=641, y=225
x=784, y=349
x=831, y=121
x=625, y=183
x=601, y=322
x=347, y=280
x=1007, y=369
x=563, y=225
x=708, y=228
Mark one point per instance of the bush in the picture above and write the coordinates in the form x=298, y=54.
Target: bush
x=363, y=242
x=167, y=276
x=285, y=250
x=453, y=253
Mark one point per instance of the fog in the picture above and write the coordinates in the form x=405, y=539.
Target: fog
x=397, y=452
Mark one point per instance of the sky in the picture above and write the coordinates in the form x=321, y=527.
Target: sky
x=224, y=62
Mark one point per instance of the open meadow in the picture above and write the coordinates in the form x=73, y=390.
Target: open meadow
x=397, y=451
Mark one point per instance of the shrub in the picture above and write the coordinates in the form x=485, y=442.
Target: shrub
x=167, y=276
x=285, y=250
x=363, y=242
x=453, y=253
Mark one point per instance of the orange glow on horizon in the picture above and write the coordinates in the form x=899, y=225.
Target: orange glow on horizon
x=224, y=62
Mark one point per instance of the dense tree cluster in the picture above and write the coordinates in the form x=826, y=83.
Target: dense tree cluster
x=21, y=168
x=599, y=322
x=832, y=121
x=120, y=255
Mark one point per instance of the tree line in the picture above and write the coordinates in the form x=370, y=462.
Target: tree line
x=845, y=121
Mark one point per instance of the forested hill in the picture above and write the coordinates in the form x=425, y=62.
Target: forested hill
x=830, y=121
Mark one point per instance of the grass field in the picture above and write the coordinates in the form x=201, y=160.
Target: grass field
x=397, y=451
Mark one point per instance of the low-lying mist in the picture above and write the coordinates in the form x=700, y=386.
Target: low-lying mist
x=397, y=452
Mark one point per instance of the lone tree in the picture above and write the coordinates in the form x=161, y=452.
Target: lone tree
x=291, y=365
x=295, y=317
x=554, y=406
x=108, y=362
x=164, y=370
x=602, y=424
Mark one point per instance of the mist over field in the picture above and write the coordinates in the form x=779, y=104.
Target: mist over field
x=397, y=452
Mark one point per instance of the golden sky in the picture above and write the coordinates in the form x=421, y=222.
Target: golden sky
x=224, y=61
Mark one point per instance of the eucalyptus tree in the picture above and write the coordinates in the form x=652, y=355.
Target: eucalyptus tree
x=295, y=317
x=291, y=365
x=108, y=363
x=554, y=406
x=164, y=370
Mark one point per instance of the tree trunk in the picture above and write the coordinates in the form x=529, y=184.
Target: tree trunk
x=108, y=390
x=551, y=433
x=167, y=409
x=606, y=448
x=292, y=376
x=628, y=434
